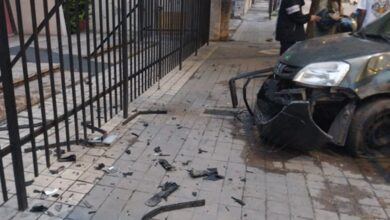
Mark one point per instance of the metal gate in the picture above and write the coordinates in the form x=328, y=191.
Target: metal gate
x=74, y=64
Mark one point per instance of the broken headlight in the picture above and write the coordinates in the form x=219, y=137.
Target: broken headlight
x=322, y=74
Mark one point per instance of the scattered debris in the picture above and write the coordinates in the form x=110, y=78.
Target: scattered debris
x=29, y=183
x=194, y=194
x=146, y=124
x=243, y=180
x=105, y=140
x=37, y=191
x=209, y=174
x=39, y=208
x=147, y=142
x=167, y=189
x=166, y=165
x=132, y=133
x=78, y=165
x=269, y=39
x=87, y=204
x=110, y=170
x=157, y=149
x=58, y=207
x=186, y=163
x=91, y=212
x=128, y=151
x=56, y=195
x=200, y=151
x=58, y=170
x=70, y=158
x=172, y=207
x=50, y=192
x=163, y=155
x=127, y=174
x=100, y=166
x=239, y=201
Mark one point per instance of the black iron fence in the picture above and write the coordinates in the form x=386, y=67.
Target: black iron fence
x=73, y=65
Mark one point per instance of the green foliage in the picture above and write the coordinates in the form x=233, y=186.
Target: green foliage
x=75, y=11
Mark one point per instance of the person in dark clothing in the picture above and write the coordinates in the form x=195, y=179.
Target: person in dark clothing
x=290, y=24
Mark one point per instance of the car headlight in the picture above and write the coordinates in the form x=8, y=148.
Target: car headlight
x=322, y=74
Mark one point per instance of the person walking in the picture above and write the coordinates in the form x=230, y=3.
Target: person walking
x=370, y=10
x=290, y=24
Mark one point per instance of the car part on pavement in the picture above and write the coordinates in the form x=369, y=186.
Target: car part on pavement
x=239, y=201
x=166, y=165
x=209, y=174
x=70, y=158
x=167, y=189
x=38, y=208
x=167, y=208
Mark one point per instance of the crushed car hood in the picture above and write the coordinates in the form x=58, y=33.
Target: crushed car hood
x=331, y=48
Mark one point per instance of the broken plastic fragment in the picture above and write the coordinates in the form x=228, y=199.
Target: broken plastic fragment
x=239, y=201
x=110, y=170
x=58, y=170
x=38, y=208
x=209, y=174
x=50, y=192
x=167, y=189
x=100, y=166
x=165, y=164
x=200, y=151
x=157, y=149
x=127, y=174
x=70, y=158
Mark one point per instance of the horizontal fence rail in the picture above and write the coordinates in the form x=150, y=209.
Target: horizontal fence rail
x=71, y=66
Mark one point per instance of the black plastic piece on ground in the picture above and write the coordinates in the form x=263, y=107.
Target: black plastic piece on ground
x=100, y=166
x=239, y=201
x=167, y=208
x=70, y=158
x=167, y=189
x=165, y=164
x=39, y=208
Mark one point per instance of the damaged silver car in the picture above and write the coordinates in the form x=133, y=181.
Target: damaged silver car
x=328, y=90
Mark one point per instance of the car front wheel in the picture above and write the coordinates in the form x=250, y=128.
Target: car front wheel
x=370, y=128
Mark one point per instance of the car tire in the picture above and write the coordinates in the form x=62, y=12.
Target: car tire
x=370, y=128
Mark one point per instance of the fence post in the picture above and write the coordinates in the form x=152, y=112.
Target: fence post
x=125, y=58
x=10, y=107
x=181, y=34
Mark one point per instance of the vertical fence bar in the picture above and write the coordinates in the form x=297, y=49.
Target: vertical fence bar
x=63, y=80
x=2, y=180
x=181, y=34
x=97, y=86
x=81, y=73
x=103, y=72
x=109, y=55
x=10, y=107
x=26, y=83
x=40, y=83
x=52, y=83
x=90, y=83
x=115, y=61
x=124, y=61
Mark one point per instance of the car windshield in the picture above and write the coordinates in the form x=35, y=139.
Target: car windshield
x=378, y=29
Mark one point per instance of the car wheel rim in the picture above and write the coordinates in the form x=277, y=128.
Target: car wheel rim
x=378, y=135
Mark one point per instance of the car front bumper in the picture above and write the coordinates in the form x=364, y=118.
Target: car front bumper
x=293, y=126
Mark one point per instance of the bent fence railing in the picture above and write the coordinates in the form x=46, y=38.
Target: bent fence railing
x=73, y=65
